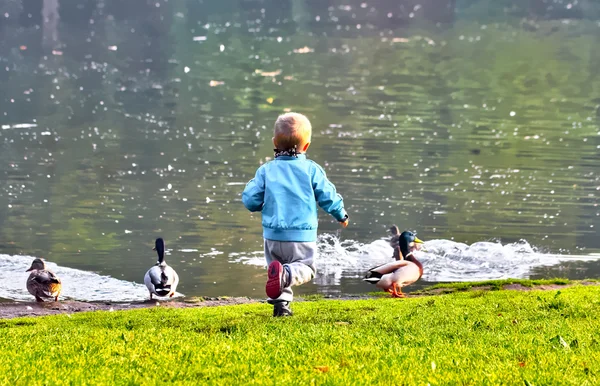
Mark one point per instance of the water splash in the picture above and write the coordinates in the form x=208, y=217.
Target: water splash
x=444, y=260
x=447, y=260
x=77, y=285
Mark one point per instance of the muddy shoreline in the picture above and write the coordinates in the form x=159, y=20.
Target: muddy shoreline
x=15, y=309
x=12, y=309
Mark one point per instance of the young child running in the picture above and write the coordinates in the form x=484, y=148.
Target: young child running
x=287, y=190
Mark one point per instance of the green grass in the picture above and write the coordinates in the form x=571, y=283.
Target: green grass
x=470, y=338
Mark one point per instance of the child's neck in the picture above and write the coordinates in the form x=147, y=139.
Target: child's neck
x=287, y=153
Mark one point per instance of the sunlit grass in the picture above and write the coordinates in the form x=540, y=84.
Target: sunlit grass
x=474, y=337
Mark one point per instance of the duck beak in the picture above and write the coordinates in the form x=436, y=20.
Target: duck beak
x=30, y=269
x=421, y=248
x=154, y=249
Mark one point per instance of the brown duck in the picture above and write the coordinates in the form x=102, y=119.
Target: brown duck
x=42, y=283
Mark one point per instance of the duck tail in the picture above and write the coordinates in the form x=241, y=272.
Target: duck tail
x=372, y=277
x=163, y=288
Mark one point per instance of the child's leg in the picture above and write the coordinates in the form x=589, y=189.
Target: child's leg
x=272, y=254
x=302, y=264
x=297, y=259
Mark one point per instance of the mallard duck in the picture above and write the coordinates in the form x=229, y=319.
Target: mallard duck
x=42, y=283
x=405, y=270
x=161, y=279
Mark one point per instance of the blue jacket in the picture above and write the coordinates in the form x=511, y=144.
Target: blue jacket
x=287, y=191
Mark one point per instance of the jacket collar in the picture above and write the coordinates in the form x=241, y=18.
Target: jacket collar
x=291, y=158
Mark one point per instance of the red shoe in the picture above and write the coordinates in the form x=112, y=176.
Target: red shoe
x=275, y=281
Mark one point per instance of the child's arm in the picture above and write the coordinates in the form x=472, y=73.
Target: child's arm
x=254, y=193
x=327, y=197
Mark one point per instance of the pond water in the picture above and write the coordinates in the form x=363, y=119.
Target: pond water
x=475, y=123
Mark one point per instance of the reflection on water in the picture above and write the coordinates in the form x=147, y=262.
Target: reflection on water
x=124, y=121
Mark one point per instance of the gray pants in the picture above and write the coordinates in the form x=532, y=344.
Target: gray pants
x=298, y=258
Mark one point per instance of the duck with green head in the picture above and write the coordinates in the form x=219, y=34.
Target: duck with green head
x=404, y=271
x=161, y=279
x=43, y=283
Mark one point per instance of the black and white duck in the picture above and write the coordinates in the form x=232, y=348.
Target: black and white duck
x=404, y=270
x=43, y=283
x=161, y=279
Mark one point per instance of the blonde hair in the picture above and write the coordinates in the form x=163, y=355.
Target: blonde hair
x=292, y=131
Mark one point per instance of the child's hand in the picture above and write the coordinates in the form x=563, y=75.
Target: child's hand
x=344, y=222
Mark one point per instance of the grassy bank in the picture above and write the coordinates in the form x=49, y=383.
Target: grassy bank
x=476, y=337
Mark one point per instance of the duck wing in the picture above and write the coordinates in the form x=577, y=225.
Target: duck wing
x=44, y=278
x=53, y=278
x=173, y=279
x=390, y=267
x=152, y=279
x=406, y=275
x=375, y=274
x=44, y=283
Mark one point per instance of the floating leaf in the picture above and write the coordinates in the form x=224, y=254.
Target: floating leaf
x=214, y=83
x=270, y=100
x=322, y=369
x=265, y=73
x=303, y=50
x=342, y=323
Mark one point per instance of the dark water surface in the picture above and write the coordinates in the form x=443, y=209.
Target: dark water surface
x=469, y=121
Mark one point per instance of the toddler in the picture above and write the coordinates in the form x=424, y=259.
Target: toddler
x=287, y=190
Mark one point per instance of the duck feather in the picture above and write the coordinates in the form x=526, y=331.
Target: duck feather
x=43, y=284
x=161, y=280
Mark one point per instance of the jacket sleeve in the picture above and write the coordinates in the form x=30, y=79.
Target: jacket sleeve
x=326, y=195
x=254, y=193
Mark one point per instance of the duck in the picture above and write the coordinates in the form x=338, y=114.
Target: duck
x=404, y=270
x=161, y=279
x=43, y=283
